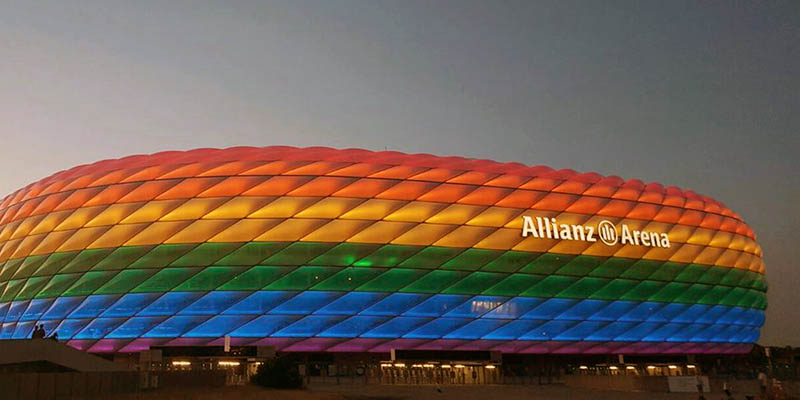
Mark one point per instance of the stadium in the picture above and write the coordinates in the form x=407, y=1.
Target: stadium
x=318, y=250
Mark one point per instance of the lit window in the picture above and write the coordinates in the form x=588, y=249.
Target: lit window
x=228, y=363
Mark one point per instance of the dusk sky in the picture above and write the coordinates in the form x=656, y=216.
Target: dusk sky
x=702, y=95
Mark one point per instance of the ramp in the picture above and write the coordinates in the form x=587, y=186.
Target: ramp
x=37, y=350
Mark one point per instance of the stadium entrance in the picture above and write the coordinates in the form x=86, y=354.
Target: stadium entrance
x=421, y=367
x=438, y=374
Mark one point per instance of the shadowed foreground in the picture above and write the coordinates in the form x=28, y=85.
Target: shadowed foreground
x=378, y=392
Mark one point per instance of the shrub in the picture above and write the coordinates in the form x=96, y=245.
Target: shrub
x=278, y=373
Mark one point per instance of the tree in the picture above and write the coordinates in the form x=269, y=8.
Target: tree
x=278, y=373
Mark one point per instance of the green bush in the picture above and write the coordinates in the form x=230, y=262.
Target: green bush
x=278, y=373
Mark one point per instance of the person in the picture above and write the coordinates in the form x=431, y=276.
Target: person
x=700, y=395
x=726, y=387
x=762, y=381
x=54, y=336
x=38, y=332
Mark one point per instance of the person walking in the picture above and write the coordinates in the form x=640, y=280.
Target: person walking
x=727, y=388
x=699, y=382
x=762, y=381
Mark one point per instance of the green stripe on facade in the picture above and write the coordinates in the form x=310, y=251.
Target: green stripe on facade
x=374, y=267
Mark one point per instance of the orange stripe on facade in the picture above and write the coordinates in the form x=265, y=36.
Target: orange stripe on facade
x=325, y=195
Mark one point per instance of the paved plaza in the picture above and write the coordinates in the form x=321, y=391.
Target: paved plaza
x=489, y=392
x=397, y=392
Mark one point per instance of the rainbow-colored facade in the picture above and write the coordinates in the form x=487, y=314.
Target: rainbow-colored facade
x=317, y=249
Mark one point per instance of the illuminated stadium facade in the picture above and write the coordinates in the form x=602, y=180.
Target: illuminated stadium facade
x=324, y=250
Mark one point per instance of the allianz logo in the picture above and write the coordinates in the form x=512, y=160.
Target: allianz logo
x=608, y=233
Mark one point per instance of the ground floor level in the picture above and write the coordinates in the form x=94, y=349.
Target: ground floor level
x=410, y=367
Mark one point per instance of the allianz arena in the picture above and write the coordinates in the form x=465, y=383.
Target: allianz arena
x=325, y=250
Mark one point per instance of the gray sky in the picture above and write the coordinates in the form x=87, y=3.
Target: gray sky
x=703, y=95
